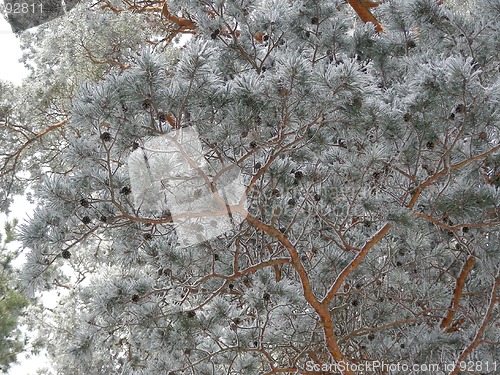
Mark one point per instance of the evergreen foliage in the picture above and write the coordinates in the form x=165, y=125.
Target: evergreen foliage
x=371, y=165
x=11, y=305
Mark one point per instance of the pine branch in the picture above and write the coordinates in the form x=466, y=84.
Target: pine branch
x=183, y=23
x=486, y=320
x=354, y=263
x=321, y=308
x=109, y=61
x=362, y=8
x=443, y=172
x=458, y=292
x=457, y=227
x=235, y=276
x=17, y=154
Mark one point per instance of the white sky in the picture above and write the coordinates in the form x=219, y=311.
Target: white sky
x=12, y=70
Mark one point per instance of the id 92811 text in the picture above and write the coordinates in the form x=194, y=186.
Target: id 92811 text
x=21, y=8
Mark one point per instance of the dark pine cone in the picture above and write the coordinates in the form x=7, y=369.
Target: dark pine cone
x=215, y=34
x=146, y=104
x=106, y=137
x=125, y=190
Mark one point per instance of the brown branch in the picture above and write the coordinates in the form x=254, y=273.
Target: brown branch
x=111, y=62
x=364, y=251
x=361, y=7
x=321, y=309
x=107, y=5
x=295, y=258
x=279, y=152
x=183, y=23
x=365, y=330
x=454, y=228
x=354, y=264
x=445, y=171
x=458, y=292
x=16, y=155
x=251, y=269
x=477, y=338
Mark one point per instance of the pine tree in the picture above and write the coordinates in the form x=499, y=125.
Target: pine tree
x=12, y=304
x=370, y=161
x=81, y=47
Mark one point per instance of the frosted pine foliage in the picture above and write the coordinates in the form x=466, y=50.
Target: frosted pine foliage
x=370, y=167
